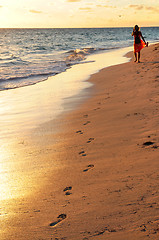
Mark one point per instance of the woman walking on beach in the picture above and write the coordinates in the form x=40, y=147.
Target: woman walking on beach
x=138, y=43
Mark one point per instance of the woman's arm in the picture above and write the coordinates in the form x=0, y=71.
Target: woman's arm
x=143, y=38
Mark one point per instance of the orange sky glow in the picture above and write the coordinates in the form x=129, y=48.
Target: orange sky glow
x=78, y=13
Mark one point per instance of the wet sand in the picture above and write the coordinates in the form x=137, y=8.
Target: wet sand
x=106, y=174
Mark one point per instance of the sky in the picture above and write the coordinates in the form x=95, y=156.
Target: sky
x=78, y=13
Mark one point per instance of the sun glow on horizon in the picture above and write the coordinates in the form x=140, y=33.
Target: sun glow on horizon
x=77, y=13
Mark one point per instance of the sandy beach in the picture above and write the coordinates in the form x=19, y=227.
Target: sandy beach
x=106, y=172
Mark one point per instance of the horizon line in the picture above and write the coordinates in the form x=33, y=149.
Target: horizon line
x=68, y=27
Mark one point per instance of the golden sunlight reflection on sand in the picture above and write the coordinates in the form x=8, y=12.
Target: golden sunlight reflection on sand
x=18, y=171
x=11, y=178
x=5, y=174
x=23, y=169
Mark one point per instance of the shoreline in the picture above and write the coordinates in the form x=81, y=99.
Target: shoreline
x=108, y=175
x=30, y=115
x=27, y=99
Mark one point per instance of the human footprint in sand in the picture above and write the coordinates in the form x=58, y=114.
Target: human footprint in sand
x=138, y=42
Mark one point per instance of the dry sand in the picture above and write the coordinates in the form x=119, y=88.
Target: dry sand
x=106, y=185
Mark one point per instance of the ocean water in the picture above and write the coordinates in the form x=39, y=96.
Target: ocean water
x=29, y=56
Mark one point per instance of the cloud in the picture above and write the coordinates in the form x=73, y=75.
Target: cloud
x=85, y=9
x=136, y=7
x=35, y=11
x=73, y=0
x=105, y=6
x=152, y=9
x=141, y=7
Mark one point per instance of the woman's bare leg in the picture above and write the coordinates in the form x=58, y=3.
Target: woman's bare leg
x=135, y=56
x=138, y=57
